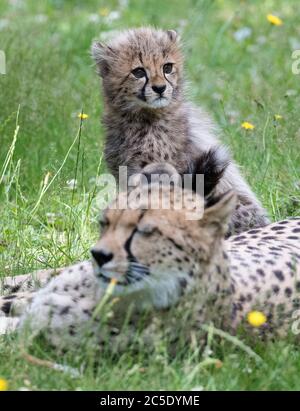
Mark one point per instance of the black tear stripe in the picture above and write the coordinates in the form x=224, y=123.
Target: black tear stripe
x=127, y=245
x=170, y=83
x=142, y=94
x=141, y=58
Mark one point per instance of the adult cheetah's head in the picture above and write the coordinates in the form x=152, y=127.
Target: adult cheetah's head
x=159, y=253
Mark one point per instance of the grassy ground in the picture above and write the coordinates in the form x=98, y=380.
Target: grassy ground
x=44, y=223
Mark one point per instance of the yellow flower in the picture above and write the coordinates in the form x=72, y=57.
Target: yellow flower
x=83, y=116
x=278, y=117
x=3, y=384
x=113, y=281
x=104, y=11
x=247, y=126
x=274, y=20
x=256, y=318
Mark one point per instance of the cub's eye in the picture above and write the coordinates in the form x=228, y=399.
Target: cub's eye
x=139, y=72
x=146, y=229
x=168, y=67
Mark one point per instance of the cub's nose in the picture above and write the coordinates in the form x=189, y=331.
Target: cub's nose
x=159, y=89
x=101, y=256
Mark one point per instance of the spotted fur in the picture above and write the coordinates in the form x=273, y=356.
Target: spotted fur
x=145, y=126
x=179, y=274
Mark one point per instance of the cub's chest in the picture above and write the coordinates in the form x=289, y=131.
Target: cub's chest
x=158, y=143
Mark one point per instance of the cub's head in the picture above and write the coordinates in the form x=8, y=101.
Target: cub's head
x=159, y=253
x=140, y=68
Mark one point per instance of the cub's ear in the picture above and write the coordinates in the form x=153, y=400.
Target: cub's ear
x=218, y=215
x=101, y=53
x=173, y=36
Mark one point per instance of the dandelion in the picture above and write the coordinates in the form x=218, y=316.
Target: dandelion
x=83, y=116
x=256, y=318
x=274, y=20
x=3, y=384
x=278, y=117
x=247, y=126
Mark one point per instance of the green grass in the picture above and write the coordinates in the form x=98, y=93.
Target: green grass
x=50, y=78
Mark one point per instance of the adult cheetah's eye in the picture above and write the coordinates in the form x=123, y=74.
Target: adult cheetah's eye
x=103, y=222
x=146, y=229
x=139, y=72
x=168, y=67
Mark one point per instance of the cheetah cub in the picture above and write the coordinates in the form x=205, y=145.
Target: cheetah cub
x=148, y=119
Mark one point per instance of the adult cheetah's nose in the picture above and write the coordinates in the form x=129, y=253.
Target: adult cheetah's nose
x=159, y=89
x=101, y=256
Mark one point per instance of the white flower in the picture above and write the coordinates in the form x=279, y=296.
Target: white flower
x=94, y=18
x=123, y=4
x=112, y=16
x=242, y=34
x=51, y=217
x=4, y=23
x=71, y=184
x=41, y=18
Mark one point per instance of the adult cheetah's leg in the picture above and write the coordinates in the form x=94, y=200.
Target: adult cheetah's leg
x=27, y=282
x=13, y=305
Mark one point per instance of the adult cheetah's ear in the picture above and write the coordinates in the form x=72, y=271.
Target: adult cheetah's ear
x=173, y=36
x=212, y=165
x=218, y=215
x=102, y=54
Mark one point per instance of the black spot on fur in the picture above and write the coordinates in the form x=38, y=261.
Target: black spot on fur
x=72, y=330
x=269, y=237
x=182, y=282
x=65, y=310
x=254, y=231
x=16, y=288
x=277, y=227
x=6, y=307
x=9, y=297
x=260, y=272
x=276, y=289
x=288, y=292
x=270, y=262
x=239, y=238
x=279, y=275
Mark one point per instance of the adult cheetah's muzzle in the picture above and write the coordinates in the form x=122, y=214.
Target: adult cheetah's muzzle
x=101, y=256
